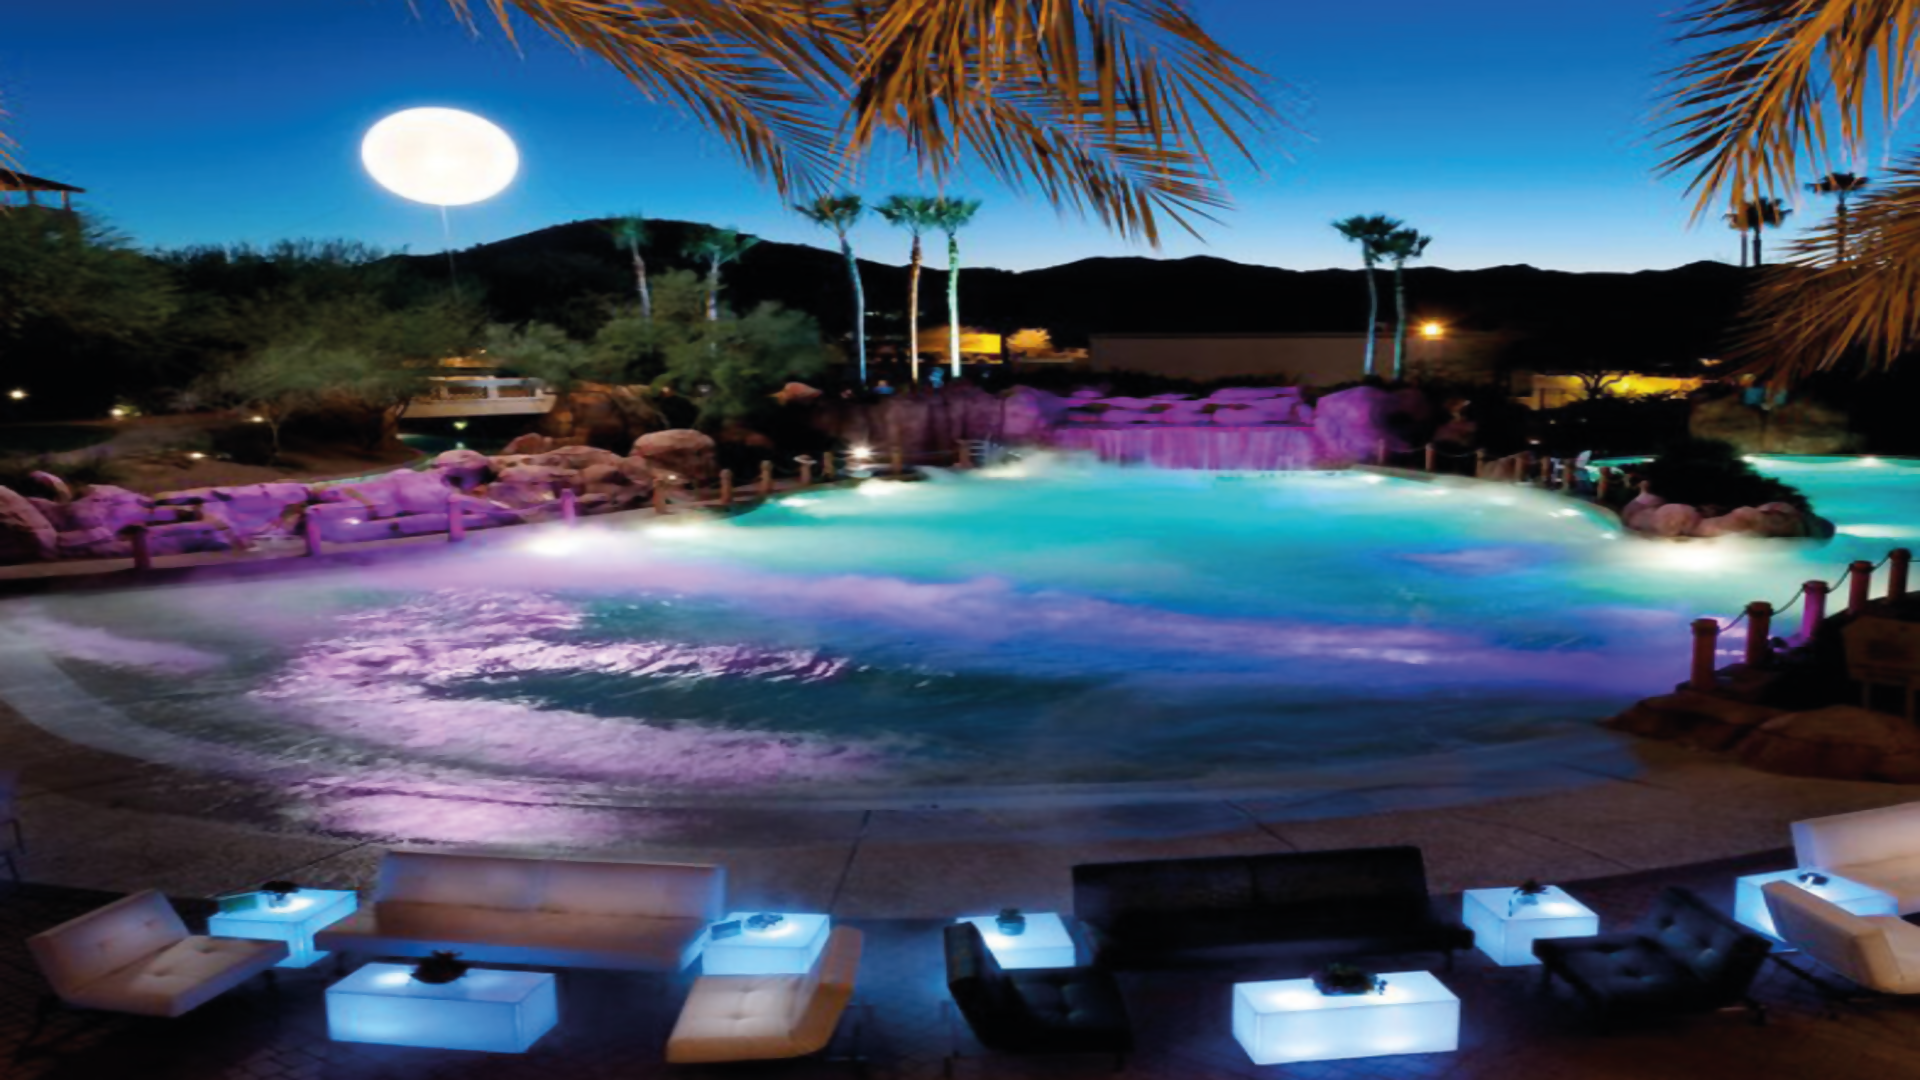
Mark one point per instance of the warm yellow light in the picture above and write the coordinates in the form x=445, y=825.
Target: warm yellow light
x=441, y=157
x=195, y=455
x=117, y=413
x=256, y=419
x=17, y=395
x=1432, y=329
x=861, y=453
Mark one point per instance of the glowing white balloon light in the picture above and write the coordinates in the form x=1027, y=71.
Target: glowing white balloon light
x=441, y=157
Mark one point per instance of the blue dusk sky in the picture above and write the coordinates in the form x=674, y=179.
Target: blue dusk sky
x=1513, y=131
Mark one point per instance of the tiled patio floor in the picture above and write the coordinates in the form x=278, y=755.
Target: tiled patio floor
x=615, y=1025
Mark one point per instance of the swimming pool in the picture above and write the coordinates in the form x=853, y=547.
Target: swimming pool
x=1046, y=626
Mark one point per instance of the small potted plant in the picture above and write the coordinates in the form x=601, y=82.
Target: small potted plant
x=1010, y=922
x=440, y=968
x=1527, y=894
x=765, y=922
x=279, y=892
x=1341, y=980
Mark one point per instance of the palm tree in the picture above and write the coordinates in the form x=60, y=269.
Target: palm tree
x=1839, y=185
x=1110, y=107
x=716, y=248
x=1753, y=215
x=841, y=213
x=916, y=214
x=952, y=215
x=629, y=233
x=1369, y=231
x=1400, y=247
x=1769, y=90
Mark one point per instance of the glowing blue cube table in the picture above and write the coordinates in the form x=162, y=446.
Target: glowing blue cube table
x=1750, y=905
x=1506, y=930
x=1044, y=944
x=294, y=922
x=788, y=948
x=1288, y=1020
x=502, y=1011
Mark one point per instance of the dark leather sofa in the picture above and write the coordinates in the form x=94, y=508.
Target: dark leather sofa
x=1685, y=957
x=1366, y=901
x=1034, y=1010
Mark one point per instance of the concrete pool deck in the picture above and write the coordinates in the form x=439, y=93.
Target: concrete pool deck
x=98, y=820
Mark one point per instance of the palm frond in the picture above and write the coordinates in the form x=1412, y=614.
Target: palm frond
x=1814, y=312
x=1780, y=84
x=1109, y=106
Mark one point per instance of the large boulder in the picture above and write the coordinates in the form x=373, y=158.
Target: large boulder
x=94, y=543
x=1672, y=520
x=521, y=486
x=574, y=457
x=615, y=484
x=1728, y=420
x=1027, y=415
x=464, y=469
x=25, y=533
x=1809, y=427
x=1350, y=424
x=402, y=491
x=188, y=537
x=1702, y=721
x=107, y=507
x=61, y=492
x=1638, y=514
x=1843, y=742
x=1745, y=521
x=530, y=443
x=680, y=450
x=247, y=509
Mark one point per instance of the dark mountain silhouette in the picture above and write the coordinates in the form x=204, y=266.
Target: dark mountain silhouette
x=1649, y=319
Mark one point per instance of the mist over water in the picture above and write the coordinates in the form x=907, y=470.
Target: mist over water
x=1051, y=622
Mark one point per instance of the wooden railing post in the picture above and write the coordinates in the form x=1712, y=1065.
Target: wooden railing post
x=1380, y=453
x=1480, y=463
x=1759, y=634
x=766, y=479
x=1433, y=458
x=142, y=545
x=1706, y=648
x=456, y=520
x=806, y=471
x=726, y=487
x=1546, y=471
x=1859, y=586
x=1899, y=562
x=1813, y=610
x=828, y=471
x=899, y=461
x=1600, y=489
x=569, y=506
x=310, y=531
x=964, y=456
x=658, y=499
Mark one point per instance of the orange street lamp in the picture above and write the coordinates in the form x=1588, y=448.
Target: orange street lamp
x=1432, y=330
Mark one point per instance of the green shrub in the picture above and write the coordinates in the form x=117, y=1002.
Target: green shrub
x=1709, y=473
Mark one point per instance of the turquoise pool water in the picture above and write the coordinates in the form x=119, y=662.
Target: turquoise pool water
x=1044, y=625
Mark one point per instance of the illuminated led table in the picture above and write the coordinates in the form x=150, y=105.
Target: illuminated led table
x=789, y=948
x=1044, y=944
x=502, y=1011
x=295, y=922
x=1750, y=905
x=1287, y=1021
x=1506, y=931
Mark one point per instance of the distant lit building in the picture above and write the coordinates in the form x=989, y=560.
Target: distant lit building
x=1323, y=359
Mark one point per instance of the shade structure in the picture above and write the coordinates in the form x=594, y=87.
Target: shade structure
x=502, y=1011
x=1290, y=1020
x=1044, y=944
x=788, y=948
x=1506, y=929
x=441, y=157
x=1750, y=904
x=295, y=922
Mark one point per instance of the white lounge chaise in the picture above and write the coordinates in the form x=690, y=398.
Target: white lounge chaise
x=1878, y=848
x=135, y=956
x=541, y=912
x=1879, y=952
x=767, y=1017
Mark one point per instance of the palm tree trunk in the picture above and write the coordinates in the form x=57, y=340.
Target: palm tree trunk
x=1400, y=326
x=1757, y=260
x=640, y=283
x=713, y=290
x=1841, y=222
x=859, y=307
x=913, y=311
x=1373, y=315
x=953, y=303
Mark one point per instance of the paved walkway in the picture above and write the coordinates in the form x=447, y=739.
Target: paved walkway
x=615, y=1025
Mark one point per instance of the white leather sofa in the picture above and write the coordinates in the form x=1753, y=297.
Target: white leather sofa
x=541, y=912
x=767, y=1017
x=135, y=956
x=1880, y=952
x=1879, y=848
